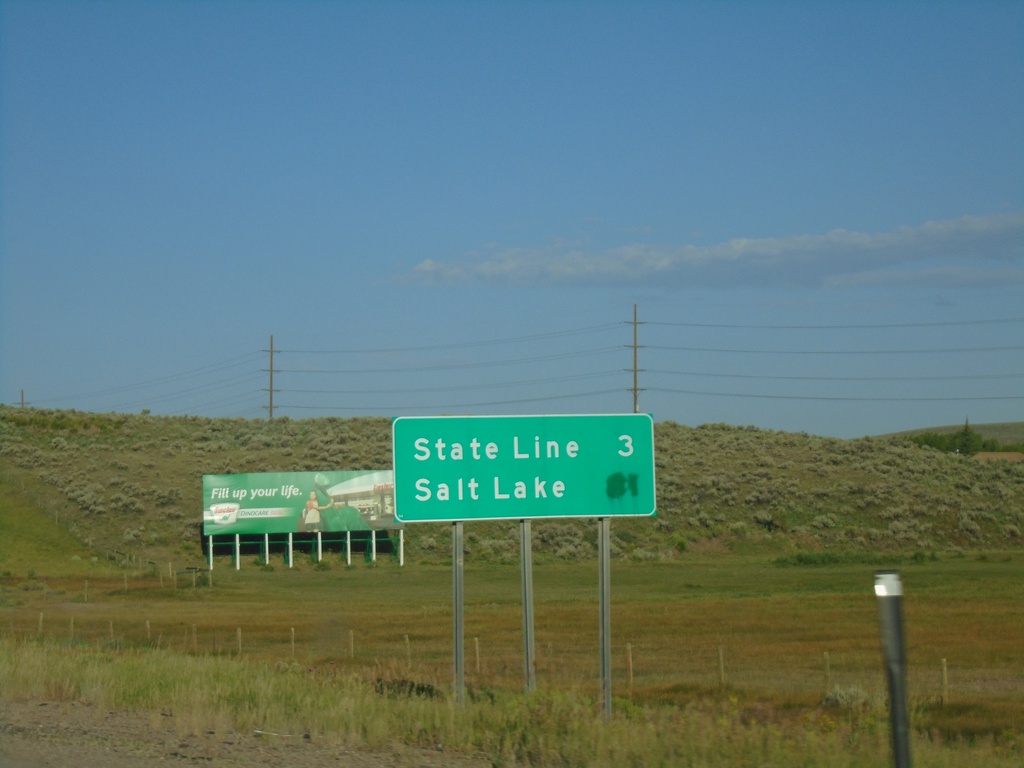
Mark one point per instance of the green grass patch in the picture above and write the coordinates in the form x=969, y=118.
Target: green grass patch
x=35, y=544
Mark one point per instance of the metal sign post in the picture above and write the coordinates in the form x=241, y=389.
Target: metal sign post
x=889, y=591
x=458, y=616
x=526, y=570
x=604, y=525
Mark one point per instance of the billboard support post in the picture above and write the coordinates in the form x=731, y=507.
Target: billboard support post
x=319, y=546
x=209, y=541
x=290, y=543
x=373, y=546
x=348, y=547
x=238, y=553
x=266, y=549
x=889, y=591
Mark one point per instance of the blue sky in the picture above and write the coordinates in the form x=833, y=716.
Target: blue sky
x=817, y=209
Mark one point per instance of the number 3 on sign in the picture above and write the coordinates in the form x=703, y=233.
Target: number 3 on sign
x=627, y=445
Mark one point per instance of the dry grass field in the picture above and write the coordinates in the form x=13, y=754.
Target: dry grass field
x=772, y=648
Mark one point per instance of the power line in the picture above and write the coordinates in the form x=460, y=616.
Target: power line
x=253, y=396
x=961, y=350
x=212, y=387
x=457, y=406
x=204, y=370
x=453, y=366
x=452, y=345
x=836, y=398
x=974, y=377
x=456, y=387
x=176, y=387
x=941, y=324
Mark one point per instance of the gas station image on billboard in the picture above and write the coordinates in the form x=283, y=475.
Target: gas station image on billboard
x=299, y=502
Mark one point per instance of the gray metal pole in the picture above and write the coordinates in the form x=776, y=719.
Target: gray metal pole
x=889, y=591
x=458, y=617
x=526, y=570
x=605, y=579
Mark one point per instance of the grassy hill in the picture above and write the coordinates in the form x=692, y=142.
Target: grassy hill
x=1007, y=433
x=134, y=483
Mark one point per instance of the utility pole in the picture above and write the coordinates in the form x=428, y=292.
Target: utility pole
x=636, y=370
x=270, y=409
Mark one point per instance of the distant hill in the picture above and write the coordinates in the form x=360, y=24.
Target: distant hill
x=134, y=483
x=1007, y=433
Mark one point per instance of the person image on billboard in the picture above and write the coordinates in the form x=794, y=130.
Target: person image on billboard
x=311, y=520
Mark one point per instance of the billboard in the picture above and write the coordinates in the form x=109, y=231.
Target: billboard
x=299, y=502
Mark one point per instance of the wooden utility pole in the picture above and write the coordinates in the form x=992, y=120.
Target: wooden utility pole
x=636, y=370
x=270, y=408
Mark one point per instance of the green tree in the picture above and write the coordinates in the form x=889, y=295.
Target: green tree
x=967, y=441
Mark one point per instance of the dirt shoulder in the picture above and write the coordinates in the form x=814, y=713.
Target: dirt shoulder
x=41, y=734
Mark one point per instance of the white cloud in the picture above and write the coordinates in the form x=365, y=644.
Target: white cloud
x=966, y=251
x=944, y=277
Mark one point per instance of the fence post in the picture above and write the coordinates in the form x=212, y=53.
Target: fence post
x=629, y=665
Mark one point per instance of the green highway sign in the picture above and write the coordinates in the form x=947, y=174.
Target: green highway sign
x=454, y=468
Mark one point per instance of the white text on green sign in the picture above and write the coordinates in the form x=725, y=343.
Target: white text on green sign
x=495, y=467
